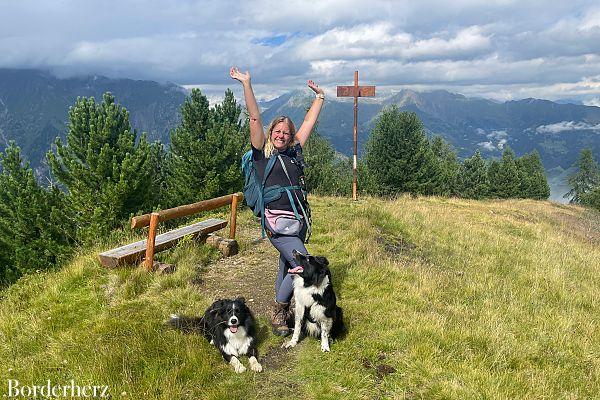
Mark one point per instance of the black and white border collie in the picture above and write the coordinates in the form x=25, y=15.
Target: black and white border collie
x=230, y=326
x=316, y=311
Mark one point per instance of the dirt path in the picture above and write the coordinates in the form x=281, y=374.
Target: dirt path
x=249, y=274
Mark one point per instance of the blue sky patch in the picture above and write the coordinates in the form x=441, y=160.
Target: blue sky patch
x=271, y=41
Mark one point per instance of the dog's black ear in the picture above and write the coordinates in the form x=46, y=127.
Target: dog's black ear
x=216, y=307
x=241, y=300
x=321, y=261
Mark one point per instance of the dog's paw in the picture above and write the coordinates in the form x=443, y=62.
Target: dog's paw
x=255, y=366
x=239, y=368
x=325, y=348
x=237, y=365
x=290, y=344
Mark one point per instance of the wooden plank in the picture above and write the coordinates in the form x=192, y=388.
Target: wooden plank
x=348, y=91
x=182, y=211
x=134, y=252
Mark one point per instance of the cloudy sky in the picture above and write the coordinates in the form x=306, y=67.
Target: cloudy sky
x=497, y=49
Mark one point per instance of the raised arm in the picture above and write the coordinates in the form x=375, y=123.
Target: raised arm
x=257, y=136
x=311, y=116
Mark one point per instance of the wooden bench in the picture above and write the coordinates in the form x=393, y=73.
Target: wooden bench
x=134, y=253
x=145, y=249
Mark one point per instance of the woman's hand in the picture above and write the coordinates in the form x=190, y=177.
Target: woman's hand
x=315, y=87
x=310, y=119
x=235, y=73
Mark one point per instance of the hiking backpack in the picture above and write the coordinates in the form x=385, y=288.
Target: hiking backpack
x=257, y=195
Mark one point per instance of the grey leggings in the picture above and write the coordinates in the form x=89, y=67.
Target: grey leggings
x=284, y=288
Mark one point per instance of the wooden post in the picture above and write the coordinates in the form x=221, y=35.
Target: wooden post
x=149, y=262
x=234, y=203
x=355, y=91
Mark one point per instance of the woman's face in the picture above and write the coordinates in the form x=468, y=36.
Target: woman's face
x=280, y=136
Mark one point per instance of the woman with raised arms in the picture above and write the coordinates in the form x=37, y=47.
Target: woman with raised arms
x=285, y=225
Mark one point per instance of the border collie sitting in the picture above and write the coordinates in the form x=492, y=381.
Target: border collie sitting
x=228, y=325
x=316, y=312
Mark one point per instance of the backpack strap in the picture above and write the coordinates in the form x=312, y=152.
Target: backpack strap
x=262, y=205
x=288, y=190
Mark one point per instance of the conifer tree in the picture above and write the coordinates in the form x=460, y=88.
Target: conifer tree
x=326, y=172
x=35, y=234
x=474, y=181
x=228, y=111
x=205, y=151
x=585, y=179
x=506, y=183
x=107, y=175
x=398, y=155
x=534, y=184
x=493, y=172
x=449, y=167
x=592, y=198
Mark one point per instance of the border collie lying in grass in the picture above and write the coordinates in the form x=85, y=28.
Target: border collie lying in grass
x=230, y=326
x=316, y=311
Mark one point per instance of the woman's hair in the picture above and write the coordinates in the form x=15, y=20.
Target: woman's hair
x=269, y=148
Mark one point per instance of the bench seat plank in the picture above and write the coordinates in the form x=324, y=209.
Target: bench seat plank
x=135, y=252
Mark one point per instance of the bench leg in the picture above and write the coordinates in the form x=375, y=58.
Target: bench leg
x=154, y=217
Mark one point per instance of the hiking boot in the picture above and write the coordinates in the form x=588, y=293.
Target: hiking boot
x=279, y=317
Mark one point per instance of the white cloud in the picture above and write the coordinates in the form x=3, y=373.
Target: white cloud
x=501, y=138
x=466, y=43
x=487, y=146
x=497, y=135
x=595, y=101
x=591, y=20
x=567, y=126
x=381, y=40
x=501, y=49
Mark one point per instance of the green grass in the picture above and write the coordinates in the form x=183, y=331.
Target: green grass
x=463, y=299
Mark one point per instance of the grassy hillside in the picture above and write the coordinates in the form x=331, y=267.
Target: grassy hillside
x=443, y=298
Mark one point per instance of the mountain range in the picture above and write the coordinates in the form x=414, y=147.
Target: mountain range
x=34, y=107
x=557, y=131
x=34, y=110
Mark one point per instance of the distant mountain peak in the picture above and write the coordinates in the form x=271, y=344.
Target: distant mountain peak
x=299, y=98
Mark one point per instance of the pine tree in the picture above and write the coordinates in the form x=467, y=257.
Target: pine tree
x=493, y=172
x=473, y=179
x=592, y=198
x=534, y=184
x=205, y=150
x=326, y=172
x=506, y=182
x=228, y=111
x=398, y=155
x=35, y=234
x=585, y=179
x=107, y=175
x=449, y=167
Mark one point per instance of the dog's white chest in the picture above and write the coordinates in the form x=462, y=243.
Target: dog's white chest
x=304, y=297
x=237, y=343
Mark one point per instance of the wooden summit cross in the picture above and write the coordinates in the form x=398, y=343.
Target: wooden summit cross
x=356, y=92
